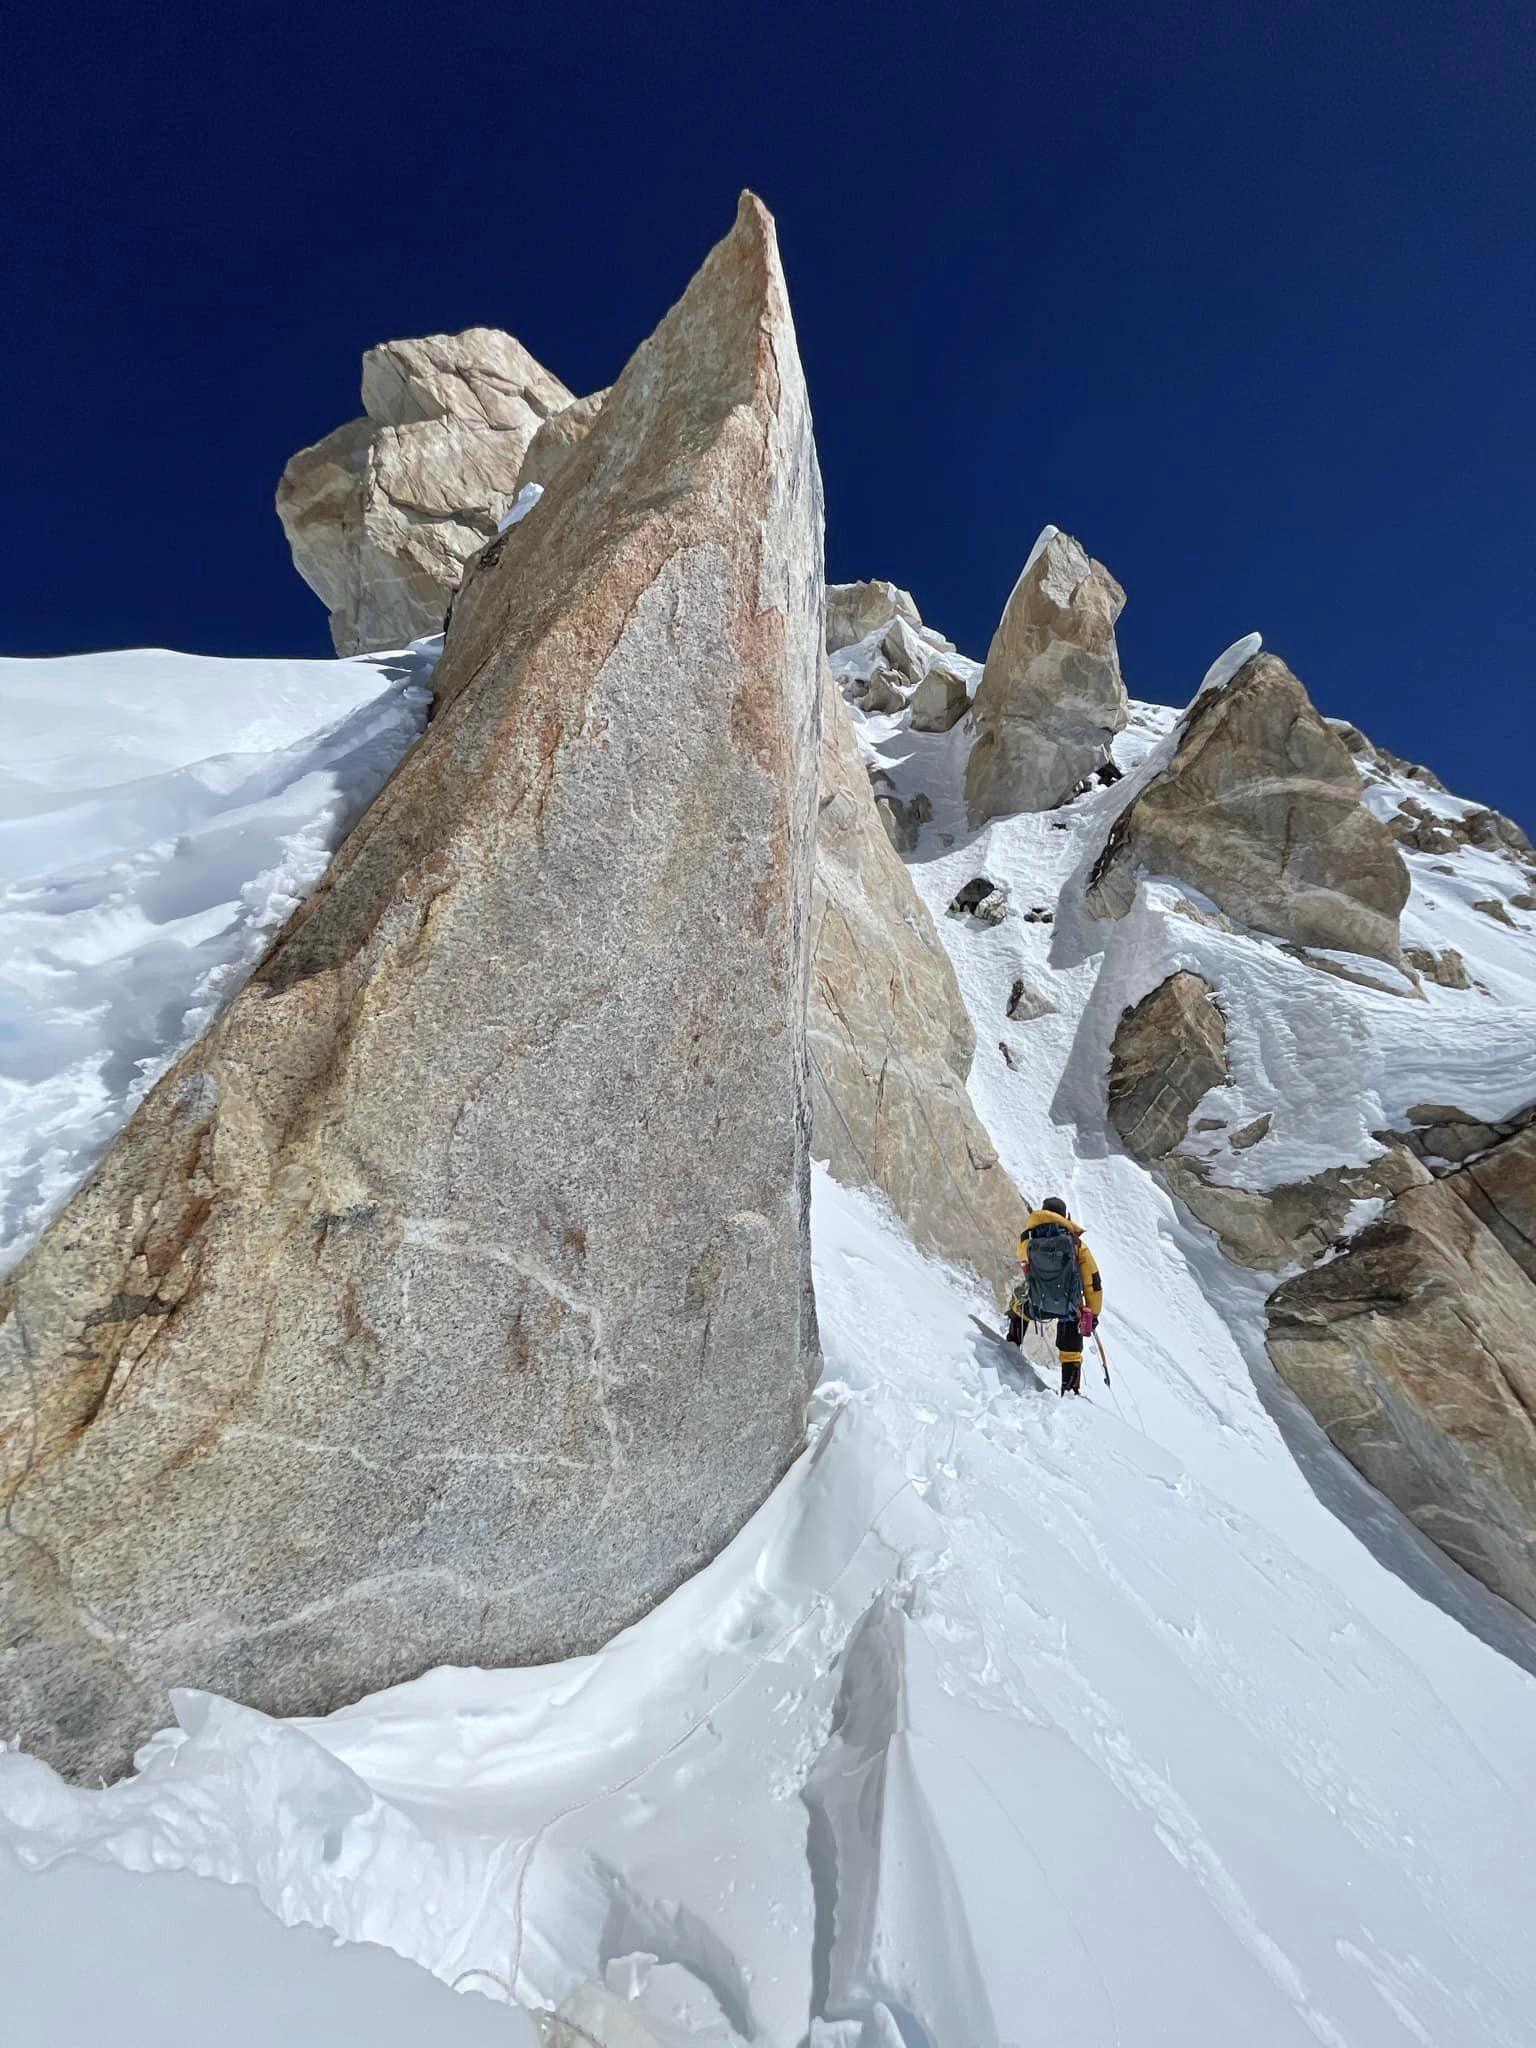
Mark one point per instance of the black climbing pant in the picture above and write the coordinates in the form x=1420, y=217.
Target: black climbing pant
x=1069, y=1348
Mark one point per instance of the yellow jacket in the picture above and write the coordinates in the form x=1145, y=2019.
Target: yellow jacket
x=1087, y=1264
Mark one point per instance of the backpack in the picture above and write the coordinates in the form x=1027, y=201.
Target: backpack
x=1055, y=1284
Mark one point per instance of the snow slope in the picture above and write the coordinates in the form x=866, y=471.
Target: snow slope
x=160, y=816
x=203, y=1960
x=1125, y=1721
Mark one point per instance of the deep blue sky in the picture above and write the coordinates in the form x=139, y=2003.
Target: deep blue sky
x=1242, y=295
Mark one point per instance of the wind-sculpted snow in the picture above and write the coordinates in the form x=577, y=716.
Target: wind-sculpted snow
x=160, y=816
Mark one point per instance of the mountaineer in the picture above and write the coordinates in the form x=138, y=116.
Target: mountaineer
x=1059, y=1284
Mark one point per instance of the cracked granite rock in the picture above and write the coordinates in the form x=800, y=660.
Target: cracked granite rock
x=384, y=513
x=1169, y=1051
x=1261, y=809
x=1414, y=1350
x=450, y=1300
x=891, y=1040
x=854, y=609
x=1051, y=697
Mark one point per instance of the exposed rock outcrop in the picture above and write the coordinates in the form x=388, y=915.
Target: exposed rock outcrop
x=1169, y=1051
x=1366, y=750
x=891, y=1042
x=982, y=899
x=1444, y=1135
x=1493, y=907
x=1415, y=1351
x=906, y=652
x=1051, y=698
x=1260, y=808
x=1296, y=1222
x=1446, y=968
x=1420, y=825
x=383, y=514
x=941, y=699
x=1026, y=1003
x=854, y=609
x=557, y=441
x=450, y=1300
x=1500, y=1190
x=881, y=692
x=1416, y=825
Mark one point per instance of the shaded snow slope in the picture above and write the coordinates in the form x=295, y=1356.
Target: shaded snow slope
x=1005, y=1720
x=160, y=816
x=93, y=1955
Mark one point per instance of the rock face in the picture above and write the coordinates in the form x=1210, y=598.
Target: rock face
x=450, y=1300
x=1446, y=967
x=941, y=699
x=1249, y=1135
x=383, y=514
x=1297, y=1221
x=1169, y=1051
x=882, y=692
x=854, y=609
x=1445, y=1135
x=1500, y=1190
x=891, y=1042
x=1051, y=697
x=1260, y=808
x=557, y=441
x=906, y=652
x=1415, y=1352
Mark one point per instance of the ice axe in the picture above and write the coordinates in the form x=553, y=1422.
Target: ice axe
x=1102, y=1359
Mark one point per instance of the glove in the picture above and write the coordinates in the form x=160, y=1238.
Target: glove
x=1086, y=1320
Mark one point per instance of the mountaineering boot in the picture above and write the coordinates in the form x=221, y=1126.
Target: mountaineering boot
x=1071, y=1378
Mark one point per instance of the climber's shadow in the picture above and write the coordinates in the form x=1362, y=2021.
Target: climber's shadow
x=1014, y=1368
